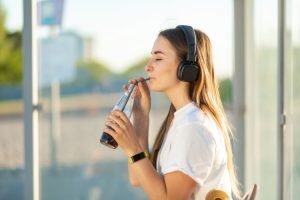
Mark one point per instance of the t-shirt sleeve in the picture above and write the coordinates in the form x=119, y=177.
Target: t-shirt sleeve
x=192, y=152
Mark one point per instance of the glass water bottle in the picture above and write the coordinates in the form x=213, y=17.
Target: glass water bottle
x=125, y=105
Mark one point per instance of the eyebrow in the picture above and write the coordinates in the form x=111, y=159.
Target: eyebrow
x=158, y=52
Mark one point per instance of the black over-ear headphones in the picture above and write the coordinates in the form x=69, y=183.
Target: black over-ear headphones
x=188, y=70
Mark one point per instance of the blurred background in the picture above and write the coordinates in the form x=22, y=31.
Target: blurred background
x=87, y=50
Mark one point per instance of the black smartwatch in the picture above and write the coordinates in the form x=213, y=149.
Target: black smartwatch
x=138, y=157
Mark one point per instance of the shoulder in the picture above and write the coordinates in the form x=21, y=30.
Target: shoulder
x=194, y=114
x=196, y=125
x=194, y=133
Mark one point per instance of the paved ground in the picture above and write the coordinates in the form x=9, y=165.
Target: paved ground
x=83, y=168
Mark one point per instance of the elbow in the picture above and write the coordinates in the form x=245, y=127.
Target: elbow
x=135, y=183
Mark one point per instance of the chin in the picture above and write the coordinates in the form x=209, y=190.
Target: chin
x=152, y=86
x=155, y=88
x=158, y=87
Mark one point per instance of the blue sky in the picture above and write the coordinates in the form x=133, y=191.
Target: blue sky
x=124, y=31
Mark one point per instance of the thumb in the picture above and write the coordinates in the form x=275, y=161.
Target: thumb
x=143, y=87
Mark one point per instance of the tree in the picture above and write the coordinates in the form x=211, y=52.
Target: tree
x=10, y=54
x=92, y=70
x=226, y=90
x=137, y=69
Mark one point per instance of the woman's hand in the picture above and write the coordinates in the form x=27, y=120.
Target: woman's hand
x=123, y=132
x=140, y=124
x=142, y=99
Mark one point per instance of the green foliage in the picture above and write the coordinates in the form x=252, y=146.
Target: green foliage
x=10, y=55
x=136, y=70
x=92, y=70
x=226, y=91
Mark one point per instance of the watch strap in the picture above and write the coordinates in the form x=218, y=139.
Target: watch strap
x=138, y=156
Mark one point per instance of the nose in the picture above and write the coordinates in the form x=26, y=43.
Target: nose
x=148, y=66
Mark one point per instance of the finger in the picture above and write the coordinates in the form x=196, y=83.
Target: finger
x=136, y=92
x=121, y=115
x=141, y=79
x=117, y=120
x=132, y=81
x=143, y=87
x=125, y=87
x=114, y=126
x=111, y=132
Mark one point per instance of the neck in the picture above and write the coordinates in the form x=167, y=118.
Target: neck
x=179, y=96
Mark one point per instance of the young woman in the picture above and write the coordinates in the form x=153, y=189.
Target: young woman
x=192, y=152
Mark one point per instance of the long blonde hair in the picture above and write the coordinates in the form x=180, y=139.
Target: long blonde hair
x=204, y=92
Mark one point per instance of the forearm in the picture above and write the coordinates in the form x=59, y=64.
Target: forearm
x=143, y=128
x=141, y=125
x=152, y=183
x=142, y=173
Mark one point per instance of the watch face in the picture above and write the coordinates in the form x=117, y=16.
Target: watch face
x=138, y=157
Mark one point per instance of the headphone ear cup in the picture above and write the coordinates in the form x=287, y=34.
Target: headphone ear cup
x=187, y=71
x=180, y=69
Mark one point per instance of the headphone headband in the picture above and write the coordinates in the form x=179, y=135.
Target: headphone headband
x=191, y=41
x=188, y=69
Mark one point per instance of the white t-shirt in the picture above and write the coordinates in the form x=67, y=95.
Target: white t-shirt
x=195, y=146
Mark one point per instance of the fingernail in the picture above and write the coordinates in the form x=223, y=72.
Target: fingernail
x=144, y=79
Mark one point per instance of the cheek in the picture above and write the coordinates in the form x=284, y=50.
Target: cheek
x=166, y=76
x=169, y=71
x=163, y=82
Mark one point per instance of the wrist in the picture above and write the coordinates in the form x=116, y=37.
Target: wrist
x=135, y=150
x=141, y=118
x=144, y=144
x=142, y=128
x=139, y=156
